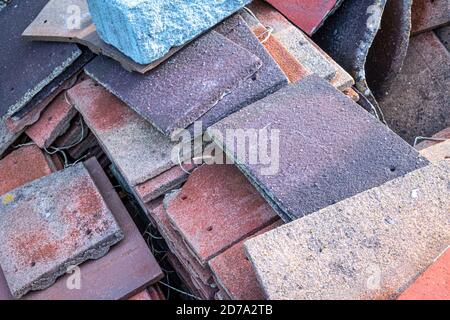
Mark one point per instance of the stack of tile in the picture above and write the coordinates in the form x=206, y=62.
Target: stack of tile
x=205, y=224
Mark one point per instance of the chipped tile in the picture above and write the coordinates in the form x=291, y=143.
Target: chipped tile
x=182, y=89
x=165, y=182
x=429, y=14
x=438, y=152
x=418, y=102
x=234, y=272
x=139, y=150
x=433, y=284
x=370, y=246
x=18, y=57
x=66, y=218
x=23, y=165
x=215, y=209
x=353, y=152
x=306, y=14
x=53, y=122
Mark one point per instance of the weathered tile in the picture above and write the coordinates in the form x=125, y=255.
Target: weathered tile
x=306, y=14
x=293, y=69
x=215, y=209
x=177, y=246
x=433, y=284
x=7, y=137
x=356, y=36
x=370, y=246
x=139, y=150
x=310, y=55
x=435, y=139
x=183, y=88
x=54, y=121
x=317, y=160
x=144, y=295
x=146, y=31
x=128, y=268
x=65, y=217
x=165, y=182
x=429, y=14
x=438, y=152
x=18, y=57
x=22, y=166
x=418, y=102
x=234, y=273
x=268, y=79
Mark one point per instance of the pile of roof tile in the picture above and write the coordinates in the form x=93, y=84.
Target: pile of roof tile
x=121, y=169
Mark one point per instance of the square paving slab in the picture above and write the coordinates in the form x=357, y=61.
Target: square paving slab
x=370, y=246
x=50, y=224
x=325, y=147
x=186, y=86
x=27, y=67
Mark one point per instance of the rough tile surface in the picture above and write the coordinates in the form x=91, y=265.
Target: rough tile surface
x=22, y=166
x=165, y=182
x=146, y=30
x=216, y=208
x=429, y=14
x=185, y=87
x=66, y=219
x=268, y=79
x=128, y=268
x=322, y=159
x=234, y=273
x=370, y=246
x=7, y=137
x=308, y=15
x=54, y=121
x=438, y=152
x=18, y=57
x=418, y=102
x=435, y=139
x=433, y=284
x=139, y=150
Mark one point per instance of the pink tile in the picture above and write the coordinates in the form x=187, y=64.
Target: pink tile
x=22, y=166
x=234, y=272
x=308, y=15
x=54, y=121
x=217, y=208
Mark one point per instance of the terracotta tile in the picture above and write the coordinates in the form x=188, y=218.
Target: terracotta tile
x=441, y=135
x=370, y=246
x=290, y=66
x=433, y=284
x=54, y=121
x=160, y=185
x=234, y=272
x=23, y=165
x=65, y=217
x=128, y=268
x=353, y=152
x=437, y=153
x=429, y=14
x=138, y=150
x=215, y=209
x=144, y=295
x=308, y=15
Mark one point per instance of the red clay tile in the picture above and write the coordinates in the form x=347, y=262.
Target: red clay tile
x=217, y=208
x=234, y=272
x=54, y=121
x=287, y=62
x=308, y=15
x=444, y=134
x=158, y=186
x=429, y=14
x=433, y=284
x=156, y=292
x=22, y=166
